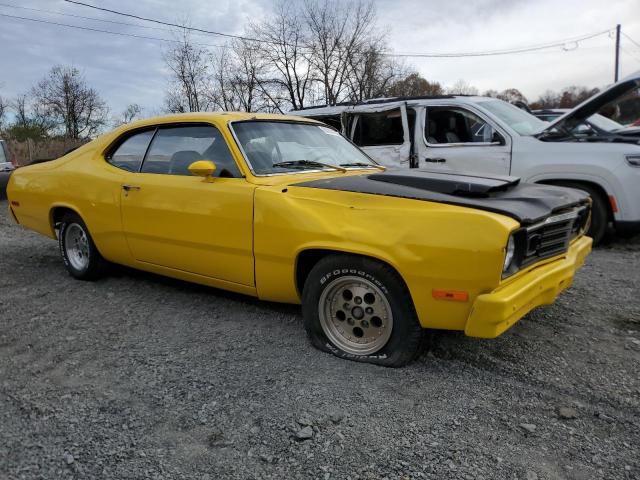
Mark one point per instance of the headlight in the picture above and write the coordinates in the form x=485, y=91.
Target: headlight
x=633, y=160
x=510, y=251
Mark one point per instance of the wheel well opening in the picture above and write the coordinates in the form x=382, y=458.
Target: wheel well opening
x=306, y=261
x=56, y=216
x=593, y=186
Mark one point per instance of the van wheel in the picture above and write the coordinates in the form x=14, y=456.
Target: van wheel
x=599, y=211
x=79, y=253
x=360, y=309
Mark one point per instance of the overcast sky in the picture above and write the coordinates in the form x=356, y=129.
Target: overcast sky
x=126, y=70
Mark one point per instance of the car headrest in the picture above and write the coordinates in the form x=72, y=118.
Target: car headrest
x=180, y=161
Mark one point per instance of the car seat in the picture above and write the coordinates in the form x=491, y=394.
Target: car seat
x=180, y=161
x=218, y=153
x=431, y=132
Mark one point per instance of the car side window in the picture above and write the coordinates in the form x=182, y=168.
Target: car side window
x=173, y=149
x=447, y=125
x=380, y=128
x=129, y=154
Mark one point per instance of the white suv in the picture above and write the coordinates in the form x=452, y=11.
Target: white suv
x=491, y=137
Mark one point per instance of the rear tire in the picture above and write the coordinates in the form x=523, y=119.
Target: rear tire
x=79, y=253
x=359, y=309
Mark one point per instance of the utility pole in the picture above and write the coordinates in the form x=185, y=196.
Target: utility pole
x=617, y=52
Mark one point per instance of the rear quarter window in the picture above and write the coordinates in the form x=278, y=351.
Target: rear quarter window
x=128, y=153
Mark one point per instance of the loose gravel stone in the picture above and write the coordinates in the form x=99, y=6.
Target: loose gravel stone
x=305, y=433
x=528, y=427
x=567, y=413
x=212, y=385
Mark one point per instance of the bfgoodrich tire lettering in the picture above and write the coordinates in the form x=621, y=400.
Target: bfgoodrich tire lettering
x=79, y=254
x=360, y=309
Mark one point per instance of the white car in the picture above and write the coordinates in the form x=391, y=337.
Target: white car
x=5, y=164
x=492, y=137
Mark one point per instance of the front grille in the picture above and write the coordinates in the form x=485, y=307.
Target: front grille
x=553, y=235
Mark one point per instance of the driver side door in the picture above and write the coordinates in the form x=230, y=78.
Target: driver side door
x=176, y=220
x=457, y=139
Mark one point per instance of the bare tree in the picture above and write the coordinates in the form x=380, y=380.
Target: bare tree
x=4, y=106
x=335, y=32
x=190, y=84
x=414, y=85
x=568, y=97
x=371, y=72
x=64, y=97
x=128, y=115
x=283, y=47
x=20, y=109
x=461, y=87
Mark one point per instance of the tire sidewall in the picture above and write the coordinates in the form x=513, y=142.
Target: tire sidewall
x=89, y=270
x=599, y=222
x=404, y=317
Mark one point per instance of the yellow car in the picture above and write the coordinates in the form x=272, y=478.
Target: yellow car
x=288, y=210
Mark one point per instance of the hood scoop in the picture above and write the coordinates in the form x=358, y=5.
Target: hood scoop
x=463, y=185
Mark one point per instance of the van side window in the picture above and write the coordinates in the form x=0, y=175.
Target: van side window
x=456, y=125
x=129, y=154
x=381, y=128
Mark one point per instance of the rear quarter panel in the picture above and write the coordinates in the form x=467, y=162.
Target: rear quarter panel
x=431, y=245
x=81, y=181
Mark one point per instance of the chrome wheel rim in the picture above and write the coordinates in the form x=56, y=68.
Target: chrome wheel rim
x=355, y=315
x=76, y=245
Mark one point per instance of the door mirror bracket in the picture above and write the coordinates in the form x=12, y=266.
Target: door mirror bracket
x=497, y=139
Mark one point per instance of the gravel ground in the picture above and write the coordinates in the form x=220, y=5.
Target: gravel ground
x=138, y=376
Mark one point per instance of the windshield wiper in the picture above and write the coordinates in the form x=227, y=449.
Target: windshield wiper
x=362, y=164
x=308, y=163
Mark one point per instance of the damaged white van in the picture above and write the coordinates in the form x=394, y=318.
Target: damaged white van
x=492, y=137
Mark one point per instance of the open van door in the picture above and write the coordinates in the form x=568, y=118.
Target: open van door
x=382, y=131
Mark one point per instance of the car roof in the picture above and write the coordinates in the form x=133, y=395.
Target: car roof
x=325, y=110
x=225, y=117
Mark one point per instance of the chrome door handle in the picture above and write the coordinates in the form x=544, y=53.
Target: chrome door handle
x=128, y=188
x=435, y=160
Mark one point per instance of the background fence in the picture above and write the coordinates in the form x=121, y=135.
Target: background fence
x=23, y=153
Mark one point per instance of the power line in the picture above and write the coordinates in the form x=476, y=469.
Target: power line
x=520, y=50
x=624, y=50
x=42, y=10
x=144, y=37
x=557, y=43
x=546, y=46
x=631, y=39
x=161, y=22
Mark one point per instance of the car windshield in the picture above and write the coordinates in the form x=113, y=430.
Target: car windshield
x=283, y=147
x=522, y=122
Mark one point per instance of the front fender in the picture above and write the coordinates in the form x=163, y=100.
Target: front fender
x=431, y=245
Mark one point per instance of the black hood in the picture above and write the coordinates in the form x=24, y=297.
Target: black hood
x=525, y=202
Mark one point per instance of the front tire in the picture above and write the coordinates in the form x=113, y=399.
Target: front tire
x=79, y=253
x=359, y=309
x=599, y=211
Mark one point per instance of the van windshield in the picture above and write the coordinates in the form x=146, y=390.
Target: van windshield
x=522, y=122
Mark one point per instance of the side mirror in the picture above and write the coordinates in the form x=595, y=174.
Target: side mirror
x=497, y=139
x=202, y=168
